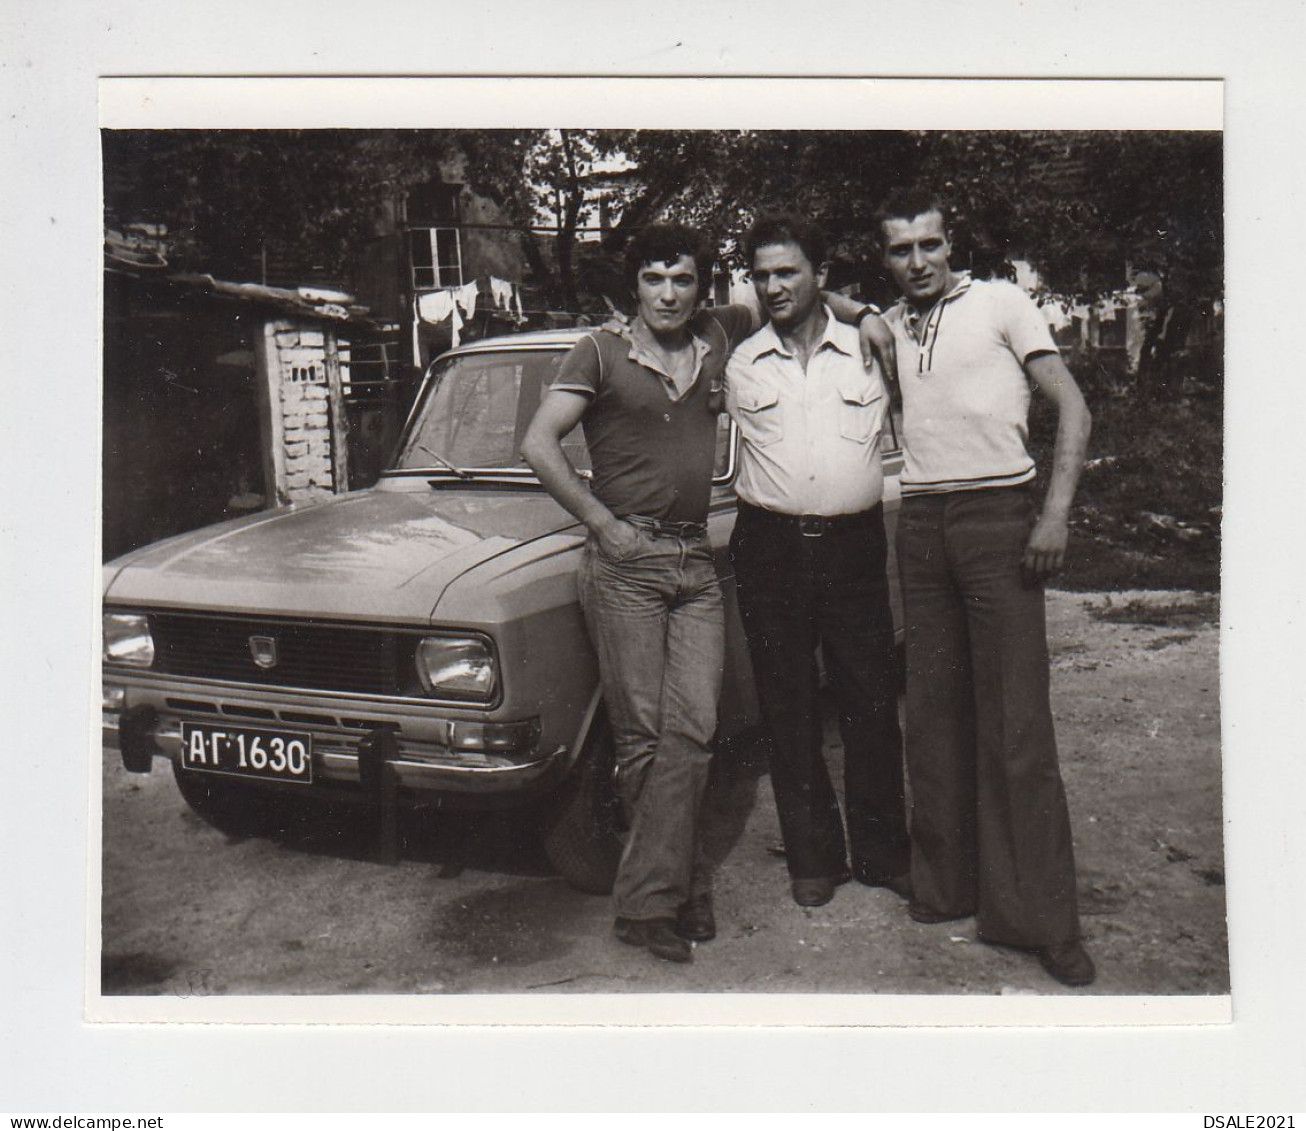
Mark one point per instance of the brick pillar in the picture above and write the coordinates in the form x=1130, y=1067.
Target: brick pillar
x=304, y=425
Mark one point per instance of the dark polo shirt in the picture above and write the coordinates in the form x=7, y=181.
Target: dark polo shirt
x=652, y=447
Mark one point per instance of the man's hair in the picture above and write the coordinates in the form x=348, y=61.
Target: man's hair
x=785, y=227
x=909, y=201
x=666, y=243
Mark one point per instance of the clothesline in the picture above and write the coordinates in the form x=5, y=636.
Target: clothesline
x=455, y=302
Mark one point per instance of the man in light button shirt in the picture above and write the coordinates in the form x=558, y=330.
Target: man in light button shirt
x=809, y=553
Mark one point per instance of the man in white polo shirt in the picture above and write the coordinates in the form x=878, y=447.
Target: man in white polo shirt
x=809, y=552
x=990, y=827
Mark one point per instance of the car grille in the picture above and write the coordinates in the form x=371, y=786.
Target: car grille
x=313, y=656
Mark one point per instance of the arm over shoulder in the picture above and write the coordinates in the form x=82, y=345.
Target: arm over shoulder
x=737, y=322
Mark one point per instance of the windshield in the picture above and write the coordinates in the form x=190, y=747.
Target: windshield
x=474, y=411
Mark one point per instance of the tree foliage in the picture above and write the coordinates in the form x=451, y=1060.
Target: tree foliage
x=1085, y=207
x=226, y=196
x=1082, y=206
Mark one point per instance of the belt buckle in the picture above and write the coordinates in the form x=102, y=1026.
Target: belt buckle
x=811, y=525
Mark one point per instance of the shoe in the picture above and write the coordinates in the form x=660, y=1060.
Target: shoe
x=923, y=914
x=694, y=920
x=900, y=885
x=1068, y=963
x=657, y=935
x=817, y=891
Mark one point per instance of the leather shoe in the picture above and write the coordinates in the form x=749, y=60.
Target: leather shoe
x=923, y=914
x=657, y=935
x=1068, y=963
x=900, y=885
x=816, y=891
x=694, y=919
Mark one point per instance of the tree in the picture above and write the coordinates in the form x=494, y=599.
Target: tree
x=554, y=183
x=1090, y=209
x=1083, y=206
x=226, y=196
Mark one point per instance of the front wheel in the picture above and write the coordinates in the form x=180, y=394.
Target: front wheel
x=584, y=830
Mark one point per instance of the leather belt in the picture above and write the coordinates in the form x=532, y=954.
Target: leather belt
x=813, y=525
x=658, y=527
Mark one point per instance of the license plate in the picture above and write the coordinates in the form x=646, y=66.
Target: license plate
x=247, y=753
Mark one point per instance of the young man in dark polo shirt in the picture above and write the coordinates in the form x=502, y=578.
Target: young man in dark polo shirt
x=648, y=395
x=990, y=827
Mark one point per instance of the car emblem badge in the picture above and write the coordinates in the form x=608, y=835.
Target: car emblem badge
x=263, y=649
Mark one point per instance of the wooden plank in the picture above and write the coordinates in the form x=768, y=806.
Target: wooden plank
x=271, y=432
x=336, y=415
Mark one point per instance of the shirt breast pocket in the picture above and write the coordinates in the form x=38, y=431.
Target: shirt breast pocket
x=861, y=409
x=760, y=418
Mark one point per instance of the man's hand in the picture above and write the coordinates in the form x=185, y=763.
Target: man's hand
x=877, y=342
x=616, y=537
x=1045, y=553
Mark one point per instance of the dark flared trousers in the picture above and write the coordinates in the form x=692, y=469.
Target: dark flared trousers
x=990, y=827
x=797, y=592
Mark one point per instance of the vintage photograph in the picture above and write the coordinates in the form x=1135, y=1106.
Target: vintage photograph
x=652, y=561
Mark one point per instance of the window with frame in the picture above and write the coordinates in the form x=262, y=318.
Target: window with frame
x=436, y=258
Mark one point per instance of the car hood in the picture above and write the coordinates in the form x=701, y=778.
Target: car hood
x=386, y=553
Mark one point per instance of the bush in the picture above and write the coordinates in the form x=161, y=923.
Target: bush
x=1147, y=512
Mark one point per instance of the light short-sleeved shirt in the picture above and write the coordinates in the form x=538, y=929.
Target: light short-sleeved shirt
x=810, y=439
x=965, y=393
x=652, y=442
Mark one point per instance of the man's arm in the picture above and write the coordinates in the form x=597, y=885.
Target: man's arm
x=559, y=412
x=1046, y=551
x=877, y=338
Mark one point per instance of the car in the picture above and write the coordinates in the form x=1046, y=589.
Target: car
x=415, y=643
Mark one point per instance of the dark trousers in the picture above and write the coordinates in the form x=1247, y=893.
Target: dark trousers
x=990, y=826
x=797, y=592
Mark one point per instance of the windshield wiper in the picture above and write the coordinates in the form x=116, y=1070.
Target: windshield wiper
x=458, y=471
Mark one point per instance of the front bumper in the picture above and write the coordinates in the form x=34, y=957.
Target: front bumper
x=430, y=753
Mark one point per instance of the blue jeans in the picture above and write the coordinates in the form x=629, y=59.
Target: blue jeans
x=990, y=828
x=657, y=621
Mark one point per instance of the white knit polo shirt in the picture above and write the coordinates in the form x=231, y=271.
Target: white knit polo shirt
x=965, y=394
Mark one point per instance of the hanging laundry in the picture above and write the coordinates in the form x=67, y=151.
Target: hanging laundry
x=1054, y=314
x=467, y=296
x=436, y=306
x=501, y=290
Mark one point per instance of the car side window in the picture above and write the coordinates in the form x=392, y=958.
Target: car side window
x=475, y=409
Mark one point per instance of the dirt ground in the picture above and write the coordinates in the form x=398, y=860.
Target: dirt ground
x=473, y=908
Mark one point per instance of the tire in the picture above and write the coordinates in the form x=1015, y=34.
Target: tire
x=584, y=829
x=232, y=807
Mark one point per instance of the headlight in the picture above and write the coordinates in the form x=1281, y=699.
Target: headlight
x=462, y=668
x=127, y=640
